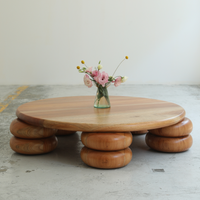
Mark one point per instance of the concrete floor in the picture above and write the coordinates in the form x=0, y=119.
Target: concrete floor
x=62, y=175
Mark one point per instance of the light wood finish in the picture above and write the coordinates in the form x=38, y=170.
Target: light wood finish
x=180, y=129
x=64, y=132
x=78, y=114
x=107, y=141
x=166, y=144
x=23, y=130
x=139, y=132
x=106, y=160
x=36, y=146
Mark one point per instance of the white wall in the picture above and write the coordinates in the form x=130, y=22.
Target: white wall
x=42, y=41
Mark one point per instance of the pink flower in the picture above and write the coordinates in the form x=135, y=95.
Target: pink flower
x=103, y=78
x=89, y=69
x=87, y=81
x=95, y=73
x=117, y=81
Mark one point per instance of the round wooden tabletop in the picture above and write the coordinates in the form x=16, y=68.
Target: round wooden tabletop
x=78, y=114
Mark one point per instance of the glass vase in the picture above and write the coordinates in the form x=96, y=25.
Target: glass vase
x=102, y=98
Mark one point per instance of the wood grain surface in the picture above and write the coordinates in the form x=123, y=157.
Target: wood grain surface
x=36, y=146
x=107, y=141
x=106, y=160
x=166, y=144
x=23, y=130
x=182, y=128
x=78, y=114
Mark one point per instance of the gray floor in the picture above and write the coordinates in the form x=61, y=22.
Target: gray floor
x=62, y=175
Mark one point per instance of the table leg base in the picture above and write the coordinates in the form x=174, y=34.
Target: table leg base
x=29, y=139
x=35, y=146
x=175, y=138
x=106, y=159
x=171, y=145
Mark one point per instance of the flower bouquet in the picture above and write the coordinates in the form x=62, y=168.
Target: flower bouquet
x=102, y=80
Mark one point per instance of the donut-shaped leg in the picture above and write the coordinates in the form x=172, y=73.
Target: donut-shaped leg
x=35, y=146
x=182, y=128
x=107, y=141
x=166, y=144
x=106, y=150
x=22, y=130
x=106, y=160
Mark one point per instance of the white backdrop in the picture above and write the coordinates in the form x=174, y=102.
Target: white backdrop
x=42, y=41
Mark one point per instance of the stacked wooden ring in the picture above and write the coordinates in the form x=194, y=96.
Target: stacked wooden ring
x=175, y=138
x=106, y=150
x=30, y=139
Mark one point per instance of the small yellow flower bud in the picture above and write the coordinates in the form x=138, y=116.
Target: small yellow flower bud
x=126, y=57
x=82, y=61
x=78, y=67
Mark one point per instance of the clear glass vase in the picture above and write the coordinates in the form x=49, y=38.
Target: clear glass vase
x=102, y=98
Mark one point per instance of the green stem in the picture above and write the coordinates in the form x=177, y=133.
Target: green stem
x=119, y=65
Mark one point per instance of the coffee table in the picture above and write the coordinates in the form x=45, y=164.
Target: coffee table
x=106, y=133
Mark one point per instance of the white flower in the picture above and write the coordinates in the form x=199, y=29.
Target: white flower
x=99, y=67
x=124, y=78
